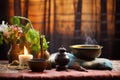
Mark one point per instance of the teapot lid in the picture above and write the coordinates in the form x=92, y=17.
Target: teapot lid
x=62, y=49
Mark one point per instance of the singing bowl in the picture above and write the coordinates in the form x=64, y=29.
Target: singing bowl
x=86, y=51
x=37, y=65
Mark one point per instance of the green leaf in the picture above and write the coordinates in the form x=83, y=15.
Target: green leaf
x=35, y=48
x=15, y=20
x=45, y=43
x=28, y=25
x=1, y=39
x=32, y=36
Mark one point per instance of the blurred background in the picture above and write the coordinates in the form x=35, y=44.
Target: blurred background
x=68, y=22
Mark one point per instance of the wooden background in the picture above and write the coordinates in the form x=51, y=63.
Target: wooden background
x=67, y=22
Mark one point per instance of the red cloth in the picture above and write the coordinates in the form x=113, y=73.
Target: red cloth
x=62, y=75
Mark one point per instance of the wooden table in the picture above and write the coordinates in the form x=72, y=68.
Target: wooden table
x=7, y=74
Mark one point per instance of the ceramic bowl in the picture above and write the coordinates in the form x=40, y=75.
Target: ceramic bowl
x=86, y=51
x=37, y=65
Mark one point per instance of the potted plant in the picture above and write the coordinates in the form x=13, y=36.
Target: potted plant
x=37, y=43
x=40, y=63
x=19, y=34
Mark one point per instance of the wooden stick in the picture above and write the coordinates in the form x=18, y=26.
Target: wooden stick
x=41, y=46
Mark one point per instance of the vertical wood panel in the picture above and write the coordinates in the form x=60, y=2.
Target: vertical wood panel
x=17, y=8
x=63, y=23
x=98, y=19
x=36, y=13
x=86, y=26
x=110, y=24
x=11, y=8
x=77, y=32
x=91, y=21
x=24, y=7
x=88, y=20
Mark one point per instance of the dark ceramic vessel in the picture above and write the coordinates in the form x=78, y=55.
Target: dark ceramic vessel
x=61, y=59
x=38, y=65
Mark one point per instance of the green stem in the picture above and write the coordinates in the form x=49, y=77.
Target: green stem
x=25, y=19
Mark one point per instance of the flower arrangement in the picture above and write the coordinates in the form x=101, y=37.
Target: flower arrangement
x=22, y=34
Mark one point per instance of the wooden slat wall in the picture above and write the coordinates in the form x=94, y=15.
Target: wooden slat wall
x=116, y=49
x=66, y=22
x=111, y=24
x=17, y=8
x=11, y=8
x=90, y=26
x=63, y=23
x=96, y=17
x=36, y=13
x=77, y=27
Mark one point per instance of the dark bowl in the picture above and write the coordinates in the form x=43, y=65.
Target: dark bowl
x=37, y=65
x=86, y=51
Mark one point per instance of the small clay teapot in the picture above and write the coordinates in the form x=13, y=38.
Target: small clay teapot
x=61, y=59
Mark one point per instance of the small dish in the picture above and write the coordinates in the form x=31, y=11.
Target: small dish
x=37, y=65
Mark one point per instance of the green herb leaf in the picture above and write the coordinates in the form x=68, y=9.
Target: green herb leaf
x=15, y=20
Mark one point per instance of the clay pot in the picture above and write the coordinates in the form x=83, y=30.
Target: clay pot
x=38, y=65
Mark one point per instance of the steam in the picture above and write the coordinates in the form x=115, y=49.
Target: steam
x=89, y=36
x=90, y=40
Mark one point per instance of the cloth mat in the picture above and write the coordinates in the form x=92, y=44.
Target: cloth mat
x=98, y=63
